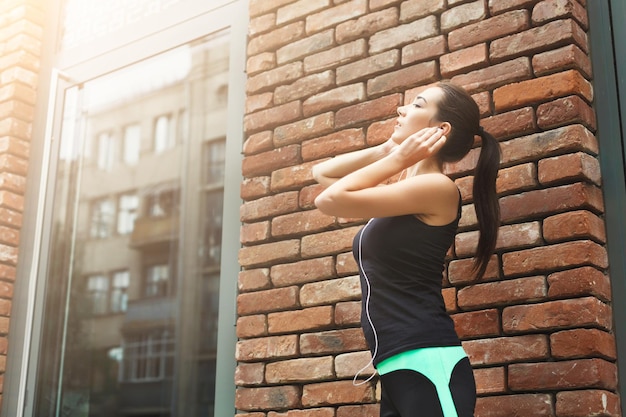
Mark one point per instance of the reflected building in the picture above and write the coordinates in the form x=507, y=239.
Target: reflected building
x=138, y=211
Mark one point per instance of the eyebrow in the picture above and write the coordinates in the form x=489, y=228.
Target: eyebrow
x=420, y=97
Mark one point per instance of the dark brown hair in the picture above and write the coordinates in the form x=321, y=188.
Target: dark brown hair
x=459, y=109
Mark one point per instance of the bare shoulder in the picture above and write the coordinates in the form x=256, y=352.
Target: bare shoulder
x=442, y=196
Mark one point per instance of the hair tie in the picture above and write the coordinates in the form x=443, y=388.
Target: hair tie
x=481, y=131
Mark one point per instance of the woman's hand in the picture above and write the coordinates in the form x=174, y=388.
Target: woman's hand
x=420, y=145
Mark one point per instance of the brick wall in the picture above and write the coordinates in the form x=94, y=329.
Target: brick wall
x=21, y=23
x=325, y=77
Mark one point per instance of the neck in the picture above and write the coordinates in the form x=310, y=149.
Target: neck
x=429, y=166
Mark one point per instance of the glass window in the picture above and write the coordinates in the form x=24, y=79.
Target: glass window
x=132, y=144
x=106, y=151
x=102, y=216
x=152, y=339
x=127, y=213
x=163, y=133
x=98, y=292
x=119, y=291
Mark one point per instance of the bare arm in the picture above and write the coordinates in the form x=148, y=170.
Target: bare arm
x=328, y=172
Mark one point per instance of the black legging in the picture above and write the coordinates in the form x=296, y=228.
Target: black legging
x=407, y=393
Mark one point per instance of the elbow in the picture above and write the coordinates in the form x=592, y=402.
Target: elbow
x=325, y=203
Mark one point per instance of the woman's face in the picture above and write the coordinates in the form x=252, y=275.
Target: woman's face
x=417, y=115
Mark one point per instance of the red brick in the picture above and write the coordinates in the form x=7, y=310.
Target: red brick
x=273, y=40
x=301, y=223
x=307, y=196
x=507, y=349
x=463, y=15
x=423, y=73
x=490, y=380
x=261, y=24
x=11, y=201
x=513, y=236
x=565, y=111
x=475, y=324
x=367, y=25
x=424, y=50
x=247, y=374
x=302, y=271
x=258, y=142
x=299, y=10
x=550, y=201
x=500, y=293
x=264, y=61
x=303, y=129
x=348, y=313
x=583, y=403
x=259, y=102
x=273, y=347
x=331, y=17
x=292, y=177
x=303, y=47
x=6, y=291
x=567, y=57
x=13, y=164
x=253, y=188
x=334, y=57
x=516, y=178
x=266, y=301
x=379, y=132
x=314, y=318
x=346, y=264
x=16, y=109
x=10, y=217
x=367, y=67
x=379, y=4
x=269, y=79
x=539, y=89
x=258, y=7
x=280, y=397
x=538, y=39
x=327, y=243
x=20, y=129
x=461, y=271
x=349, y=365
x=13, y=182
x=254, y=232
x=368, y=111
x=510, y=124
x=536, y=405
x=16, y=91
x=367, y=410
x=310, y=412
x=549, y=10
x=267, y=207
x=333, y=144
x=333, y=341
x=583, y=373
x=580, y=224
x=304, y=87
x=299, y=370
x=582, y=343
x=415, y=9
x=268, y=253
x=464, y=60
x=449, y=299
x=335, y=393
x=272, y=117
x=553, y=142
x=488, y=29
x=333, y=99
x=579, y=282
x=552, y=315
x=251, y=326
x=330, y=291
x=494, y=76
x=403, y=34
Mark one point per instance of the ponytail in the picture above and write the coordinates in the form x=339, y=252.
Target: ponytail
x=486, y=201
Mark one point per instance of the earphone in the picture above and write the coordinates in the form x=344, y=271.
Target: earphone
x=367, y=313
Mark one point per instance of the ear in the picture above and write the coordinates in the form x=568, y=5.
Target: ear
x=447, y=127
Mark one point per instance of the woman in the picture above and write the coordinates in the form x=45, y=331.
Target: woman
x=400, y=252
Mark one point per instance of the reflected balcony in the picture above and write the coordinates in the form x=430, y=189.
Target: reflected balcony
x=148, y=313
x=154, y=230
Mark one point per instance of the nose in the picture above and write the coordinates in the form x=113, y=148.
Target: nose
x=401, y=111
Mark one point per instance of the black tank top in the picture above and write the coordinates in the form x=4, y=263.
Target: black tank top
x=401, y=262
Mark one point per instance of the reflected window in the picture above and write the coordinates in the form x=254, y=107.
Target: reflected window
x=106, y=151
x=97, y=290
x=148, y=357
x=213, y=228
x=162, y=204
x=119, y=291
x=102, y=217
x=157, y=280
x=214, y=161
x=127, y=213
x=163, y=134
x=132, y=144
